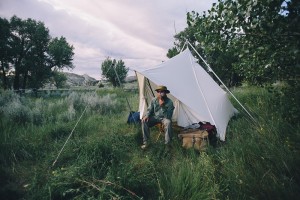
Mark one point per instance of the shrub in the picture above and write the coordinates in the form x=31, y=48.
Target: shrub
x=94, y=103
x=289, y=102
x=7, y=96
x=68, y=115
x=17, y=112
x=39, y=112
x=75, y=99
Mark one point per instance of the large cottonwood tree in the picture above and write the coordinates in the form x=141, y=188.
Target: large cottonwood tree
x=30, y=53
x=5, y=51
x=114, y=71
x=255, y=41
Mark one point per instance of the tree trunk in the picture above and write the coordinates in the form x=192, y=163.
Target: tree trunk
x=4, y=79
x=17, y=72
x=17, y=79
x=25, y=80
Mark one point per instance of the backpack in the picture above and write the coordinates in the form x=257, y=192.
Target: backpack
x=212, y=131
x=134, y=118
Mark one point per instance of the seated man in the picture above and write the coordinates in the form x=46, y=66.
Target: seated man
x=159, y=111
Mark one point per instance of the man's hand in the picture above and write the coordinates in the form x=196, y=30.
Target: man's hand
x=161, y=101
x=145, y=119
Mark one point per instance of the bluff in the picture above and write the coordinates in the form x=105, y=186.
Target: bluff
x=79, y=80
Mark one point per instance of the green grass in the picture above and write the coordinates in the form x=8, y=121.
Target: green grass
x=103, y=160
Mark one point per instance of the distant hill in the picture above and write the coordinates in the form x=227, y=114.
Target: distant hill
x=86, y=80
x=75, y=80
x=130, y=79
x=79, y=80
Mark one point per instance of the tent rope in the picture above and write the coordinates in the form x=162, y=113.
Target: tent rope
x=69, y=137
x=183, y=47
x=74, y=128
x=122, y=87
x=205, y=100
x=210, y=69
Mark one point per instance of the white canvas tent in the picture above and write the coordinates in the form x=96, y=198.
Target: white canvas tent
x=196, y=96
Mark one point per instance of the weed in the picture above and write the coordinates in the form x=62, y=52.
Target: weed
x=102, y=159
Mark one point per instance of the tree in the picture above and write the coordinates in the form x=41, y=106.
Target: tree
x=251, y=41
x=5, y=51
x=266, y=40
x=29, y=42
x=212, y=47
x=59, y=79
x=60, y=54
x=255, y=41
x=114, y=71
x=28, y=50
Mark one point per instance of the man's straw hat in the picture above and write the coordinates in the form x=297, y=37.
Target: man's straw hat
x=162, y=88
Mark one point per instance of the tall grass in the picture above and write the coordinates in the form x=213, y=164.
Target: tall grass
x=258, y=162
x=103, y=160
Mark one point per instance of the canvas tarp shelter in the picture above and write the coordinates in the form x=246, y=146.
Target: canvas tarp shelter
x=196, y=96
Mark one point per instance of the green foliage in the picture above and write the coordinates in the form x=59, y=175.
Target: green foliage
x=30, y=53
x=290, y=102
x=103, y=160
x=258, y=160
x=100, y=85
x=286, y=101
x=22, y=111
x=114, y=71
x=253, y=41
x=60, y=53
x=13, y=108
x=59, y=79
x=192, y=178
x=5, y=52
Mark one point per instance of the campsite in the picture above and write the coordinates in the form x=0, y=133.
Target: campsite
x=226, y=87
x=103, y=160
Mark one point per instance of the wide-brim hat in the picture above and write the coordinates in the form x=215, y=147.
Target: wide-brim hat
x=162, y=88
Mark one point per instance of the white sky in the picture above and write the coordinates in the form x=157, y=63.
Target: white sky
x=139, y=32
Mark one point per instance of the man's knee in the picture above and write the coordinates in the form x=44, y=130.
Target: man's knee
x=167, y=122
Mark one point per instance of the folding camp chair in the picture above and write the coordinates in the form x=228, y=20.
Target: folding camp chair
x=161, y=129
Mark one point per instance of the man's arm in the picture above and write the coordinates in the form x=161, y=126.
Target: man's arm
x=170, y=109
x=150, y=111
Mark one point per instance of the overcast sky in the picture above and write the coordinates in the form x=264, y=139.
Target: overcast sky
x=139, y=32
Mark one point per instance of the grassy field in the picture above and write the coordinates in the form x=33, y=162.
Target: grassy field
x=103, y=160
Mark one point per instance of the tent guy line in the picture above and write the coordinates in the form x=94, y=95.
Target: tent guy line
x=210, y=69
x=69, y=137
x=79, y=121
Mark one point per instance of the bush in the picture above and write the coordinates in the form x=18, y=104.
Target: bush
x=17, y=112
x=8, y=96
x=289, y=102
x=102, y=159
x=95, y=104
x=68, y=115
